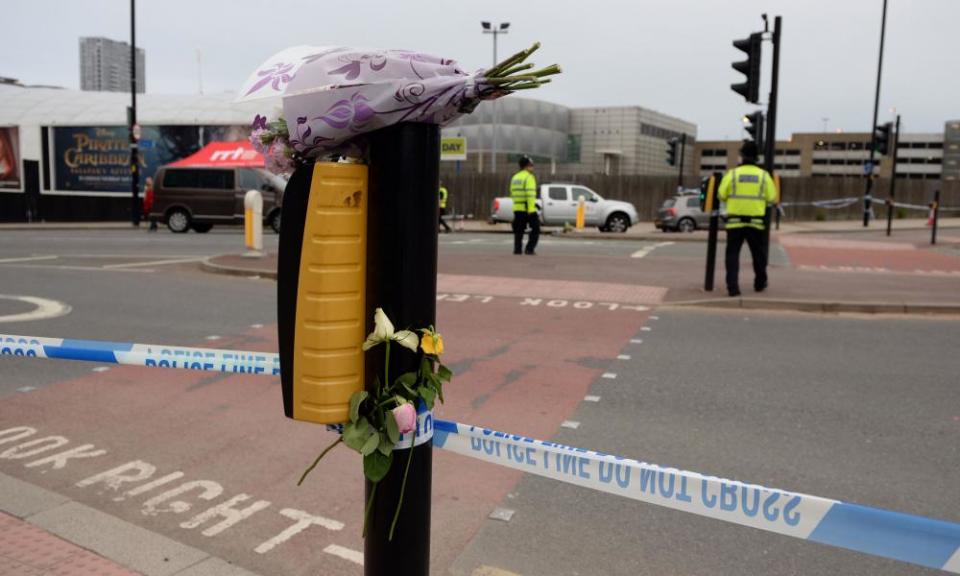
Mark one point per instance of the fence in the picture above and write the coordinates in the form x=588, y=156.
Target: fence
x=474, y=193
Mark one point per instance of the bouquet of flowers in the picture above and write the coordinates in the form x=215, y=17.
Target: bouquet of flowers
x=380, y=419
x=333, y=95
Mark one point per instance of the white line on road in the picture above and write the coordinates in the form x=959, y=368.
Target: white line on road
x=643, y=252
x=654, y=317
x=212, y=337
x=27, y=259
x=591, y=398
x=623, y=357
x=609, y=376
x=44, y=309
x=101, y=368
x=26, y=388
x=645, y=329
x=152, y=263
x=345, y=553
x=256, y=325
x=636, y=341
x=573, y=424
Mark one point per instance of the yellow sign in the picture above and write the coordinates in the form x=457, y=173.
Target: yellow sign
x=453, y=148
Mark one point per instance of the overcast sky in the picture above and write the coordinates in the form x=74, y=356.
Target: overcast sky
x=673, y=56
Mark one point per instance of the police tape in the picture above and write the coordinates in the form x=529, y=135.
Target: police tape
x=913, y=539
x=910, y=206
x=835, y=203
x=149, y=355
x=908, y=538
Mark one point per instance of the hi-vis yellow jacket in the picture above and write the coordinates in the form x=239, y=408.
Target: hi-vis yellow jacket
x=523, y=191
x=443, y=197
x=747, y=190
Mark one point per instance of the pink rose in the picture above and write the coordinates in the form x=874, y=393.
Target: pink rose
x=406, y=417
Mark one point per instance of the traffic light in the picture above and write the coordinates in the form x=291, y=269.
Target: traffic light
x=705, y=185
x=753, y=46
x=753, y=124
x=881, y=137
x=672, y=151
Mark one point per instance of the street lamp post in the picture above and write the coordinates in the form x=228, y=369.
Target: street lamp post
x=873, y=127
x=488, y=28
x=132, y=121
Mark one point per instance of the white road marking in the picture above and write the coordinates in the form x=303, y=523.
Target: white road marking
x=636, y=341
x=654, y=317
x=591, y=398
x=573, y=424
x=27, y=259
x=151, y=263
x=256, y=325
x=212, y=337
x=609, y=376
x=26, y=388
x=645, y=329
x=345, y=553
x=643, y=252
x=45, y=309
x=504, y=514
x=101, y=369
x=623, y=357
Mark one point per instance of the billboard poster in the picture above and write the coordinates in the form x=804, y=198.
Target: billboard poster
x=10, y=159
x=97, y=158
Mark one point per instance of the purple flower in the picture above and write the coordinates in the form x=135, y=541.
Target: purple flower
x=277, y=75
x=346, y=113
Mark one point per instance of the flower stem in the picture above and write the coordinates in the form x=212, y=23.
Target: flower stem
x=386, y=370
x=403, y=485
x=317, y=461
x=366, y=512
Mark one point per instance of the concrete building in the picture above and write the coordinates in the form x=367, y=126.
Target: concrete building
x=830, y=154
x=105, y=66
x=951, y=150
x=620, y=140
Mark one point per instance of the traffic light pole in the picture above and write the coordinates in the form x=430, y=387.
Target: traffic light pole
x=135, y=207
x=402, y=279
x=683, y=149
x=893, y=176
x=873, y=129
x=769, y=155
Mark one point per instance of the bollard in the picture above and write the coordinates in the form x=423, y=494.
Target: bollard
x=581, y=212
x=402, y=279
x=253, y=224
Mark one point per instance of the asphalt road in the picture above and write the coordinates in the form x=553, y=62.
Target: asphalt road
x=863, y=409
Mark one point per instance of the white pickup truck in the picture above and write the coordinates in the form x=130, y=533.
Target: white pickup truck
x=557, y=204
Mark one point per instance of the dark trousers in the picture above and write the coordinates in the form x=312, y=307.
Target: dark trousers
x=443, y=212
x=520, y=222
x=754, y=239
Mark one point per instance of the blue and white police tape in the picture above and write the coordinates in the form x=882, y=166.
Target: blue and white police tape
x=910, y=206
x=835, y=203
x=914, y=539
x=150, y=355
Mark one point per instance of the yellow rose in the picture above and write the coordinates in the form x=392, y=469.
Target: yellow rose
x=431, y=343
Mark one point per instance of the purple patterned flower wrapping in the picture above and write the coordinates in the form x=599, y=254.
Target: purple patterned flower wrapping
x=337, y=93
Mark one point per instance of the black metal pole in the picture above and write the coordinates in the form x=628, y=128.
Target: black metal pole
x=936, y=216
x=769, y=155
x=135, y=207
x=714, y=206
x=893, y=176
x=873, y=127
x=402, y=279
x=683, y=149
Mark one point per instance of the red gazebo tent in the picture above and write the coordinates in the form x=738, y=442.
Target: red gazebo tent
x=225, y=154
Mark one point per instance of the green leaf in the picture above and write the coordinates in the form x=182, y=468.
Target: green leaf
x=428, y=395
x=426, y=367
x=376, y=465
x=407, y=378
x=386, y=446
x=355, y=434
x=440, y=391
x=371, y=444
x=444, y=373
x=393, y=431
x=355, y=401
